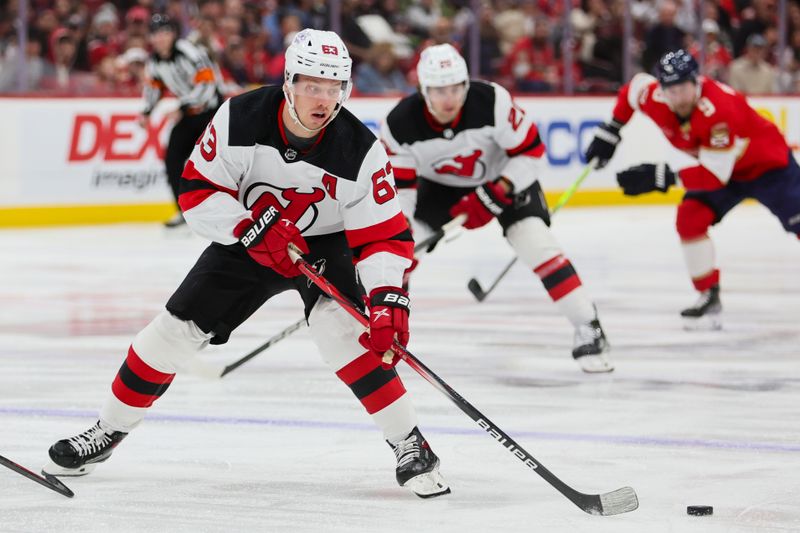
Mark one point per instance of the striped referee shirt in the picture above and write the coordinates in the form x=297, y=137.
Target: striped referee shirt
x=187, y=73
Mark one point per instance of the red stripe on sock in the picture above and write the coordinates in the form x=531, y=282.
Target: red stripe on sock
x=550, y=266
x=565, y=287
x=703, y=283
x=129, y=397
x=145, y=371
x=358, y=368
x=385, y=396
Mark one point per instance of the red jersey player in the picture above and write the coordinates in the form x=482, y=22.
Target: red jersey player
x=739, y=155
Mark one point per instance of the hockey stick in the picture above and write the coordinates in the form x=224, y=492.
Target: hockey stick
x=209, y=371
x=51, y=482
x=474, y=285
x=610, y=503
x=445, y=231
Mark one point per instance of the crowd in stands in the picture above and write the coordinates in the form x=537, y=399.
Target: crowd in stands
x=100, y=46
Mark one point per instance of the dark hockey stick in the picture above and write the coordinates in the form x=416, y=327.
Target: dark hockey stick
x=610, y=503
x=474, y=285
x=276, y=338
x=439, y=234
x=210, y=371
x=51, y=482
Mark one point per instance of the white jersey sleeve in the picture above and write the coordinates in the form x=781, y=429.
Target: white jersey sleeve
x=404, y=166
x=517, y=134
x=374, y=224
x=210, y=183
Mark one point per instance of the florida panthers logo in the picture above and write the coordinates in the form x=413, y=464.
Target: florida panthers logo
x=299, y=207
x=465, y=166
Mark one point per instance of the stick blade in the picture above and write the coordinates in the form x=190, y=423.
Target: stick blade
x=619, y=501
x=476, y=289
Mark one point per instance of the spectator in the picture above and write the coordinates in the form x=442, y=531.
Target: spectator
x=9, y=69
x=532, y=62
x=234, y=62
x=717, y=56
x=755, y=20
x=380, y=73
x=422, y=15
x=511, y=25
x=129, y=71
x=751, y=74
x=663, y=37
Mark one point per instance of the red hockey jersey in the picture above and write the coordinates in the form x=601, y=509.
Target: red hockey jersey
x=727, y=137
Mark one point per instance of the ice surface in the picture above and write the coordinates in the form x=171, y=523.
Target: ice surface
x=687, y=418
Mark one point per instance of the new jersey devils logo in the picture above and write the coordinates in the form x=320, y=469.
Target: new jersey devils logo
x=297, y=206
x=465, y=166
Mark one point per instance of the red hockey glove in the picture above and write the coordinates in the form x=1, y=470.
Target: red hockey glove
x=388, y=319
x=482, y=205
x=267, y=238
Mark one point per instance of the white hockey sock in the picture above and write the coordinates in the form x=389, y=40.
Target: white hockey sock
x=537, y=248
x=699, y=256
x=149, y=369
x=381, y=392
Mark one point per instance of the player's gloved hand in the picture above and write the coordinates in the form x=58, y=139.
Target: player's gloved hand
x=646, y=178
x=482, y=205
x=267, y=237
x=388, y=319
x=604, y=144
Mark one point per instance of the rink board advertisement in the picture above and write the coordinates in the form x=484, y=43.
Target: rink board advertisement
x=73, y=154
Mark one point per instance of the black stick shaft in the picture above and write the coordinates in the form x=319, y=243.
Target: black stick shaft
x=51, y=482
x=280, y=336
x=590, y=503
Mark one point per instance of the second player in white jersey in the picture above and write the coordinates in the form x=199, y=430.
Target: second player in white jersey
x=463, y=146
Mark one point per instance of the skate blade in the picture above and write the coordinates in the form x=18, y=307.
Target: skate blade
x=428, y=485
x=703, y=323
x=595, y=364
x=53, y=469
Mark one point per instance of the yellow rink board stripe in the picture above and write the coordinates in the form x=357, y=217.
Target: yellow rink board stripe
x=30, y=216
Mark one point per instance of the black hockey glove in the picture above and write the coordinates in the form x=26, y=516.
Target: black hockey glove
x=646, y=178
x=604, y=144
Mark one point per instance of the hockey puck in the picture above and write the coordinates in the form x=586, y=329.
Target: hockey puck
x=700, y=510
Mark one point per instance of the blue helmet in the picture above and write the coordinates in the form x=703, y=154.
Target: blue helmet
x=677, y=67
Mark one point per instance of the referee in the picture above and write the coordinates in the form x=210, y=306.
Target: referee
x=186, y=71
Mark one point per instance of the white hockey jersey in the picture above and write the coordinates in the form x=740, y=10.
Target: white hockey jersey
x=344, y=182
x=491, y=137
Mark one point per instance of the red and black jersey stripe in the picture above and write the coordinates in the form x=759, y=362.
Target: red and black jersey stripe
x=195, y=188
x=532, y=145
x=391, y=236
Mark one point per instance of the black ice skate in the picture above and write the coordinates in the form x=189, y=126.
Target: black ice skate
x=176, y=221
x=590, y=348
x=706, y=312
x=418, y=466
x=77, y=456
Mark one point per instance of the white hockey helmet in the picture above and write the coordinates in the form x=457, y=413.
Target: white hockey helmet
x=439, y=66
x=320, y=54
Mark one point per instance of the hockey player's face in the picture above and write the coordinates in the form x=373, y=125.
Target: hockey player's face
x=681, y=97
x=446, y=101
x=315, y=99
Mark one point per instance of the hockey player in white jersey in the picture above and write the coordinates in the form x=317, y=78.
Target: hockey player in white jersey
x=464, y=146
x=278, y=166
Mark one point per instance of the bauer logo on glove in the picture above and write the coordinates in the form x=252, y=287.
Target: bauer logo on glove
x=265, y=221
